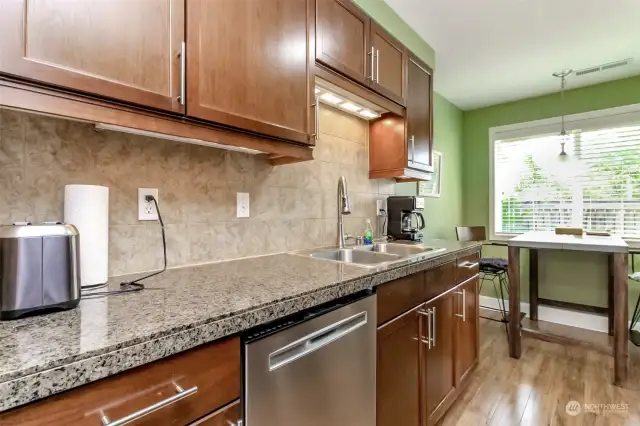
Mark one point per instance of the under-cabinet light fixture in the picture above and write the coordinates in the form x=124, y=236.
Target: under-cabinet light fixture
x=350, y=107
x=114, y=128
x=331, y=98
x=368, y=114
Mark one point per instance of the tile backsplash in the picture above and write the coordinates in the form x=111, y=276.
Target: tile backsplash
x=292, y=206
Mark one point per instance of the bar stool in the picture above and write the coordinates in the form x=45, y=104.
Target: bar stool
x=493, y=270
x=634, y=335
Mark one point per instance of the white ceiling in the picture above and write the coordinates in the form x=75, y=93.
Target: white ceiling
x=494, y=51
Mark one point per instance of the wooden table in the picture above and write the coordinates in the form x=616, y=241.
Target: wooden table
x=615, y=247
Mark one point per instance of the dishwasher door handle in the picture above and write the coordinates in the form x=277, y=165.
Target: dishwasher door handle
x=316, y=340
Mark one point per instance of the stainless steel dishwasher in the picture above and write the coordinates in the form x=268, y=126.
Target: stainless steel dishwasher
x=314, y=369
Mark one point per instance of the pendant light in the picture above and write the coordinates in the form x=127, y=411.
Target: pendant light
x=564, y=137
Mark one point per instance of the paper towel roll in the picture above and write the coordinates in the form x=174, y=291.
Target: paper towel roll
x=87, y=207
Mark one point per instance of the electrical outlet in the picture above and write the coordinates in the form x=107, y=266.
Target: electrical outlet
x=379, y=206
x=147, y=209
x=243, y=204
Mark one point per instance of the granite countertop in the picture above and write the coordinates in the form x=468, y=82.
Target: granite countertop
x=178, y=310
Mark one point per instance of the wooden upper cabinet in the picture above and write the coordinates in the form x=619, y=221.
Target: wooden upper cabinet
x=120, y=49
x=342, y=39
x=389, y=65
x=419, y=116
x=249, y=65
x=467, y=329
x=398, y=372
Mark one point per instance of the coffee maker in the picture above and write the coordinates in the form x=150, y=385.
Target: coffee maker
x=405, y=217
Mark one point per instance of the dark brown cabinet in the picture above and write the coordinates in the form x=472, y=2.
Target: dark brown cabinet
x=351, y=43
x=248, y=66
x=401, y=147
x=342, y=39
x=399, y=353
x=228, y=415
x=419, y=115
x=388, y=74
x=120, y=49
x=467, y=328
x=426, y=353
x=439, y=374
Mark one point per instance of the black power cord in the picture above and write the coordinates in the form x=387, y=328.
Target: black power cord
x=135, y=285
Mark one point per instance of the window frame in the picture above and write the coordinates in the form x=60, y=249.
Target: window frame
x=587, y=120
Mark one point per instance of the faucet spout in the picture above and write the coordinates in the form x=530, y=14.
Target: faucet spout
x=344, y=207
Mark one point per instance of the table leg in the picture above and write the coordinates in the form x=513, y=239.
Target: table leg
x=533, y=284
x=620, y=319
x=515, y=336
x=610, y=304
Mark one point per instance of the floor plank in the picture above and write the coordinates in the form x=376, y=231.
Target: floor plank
x=535, y=390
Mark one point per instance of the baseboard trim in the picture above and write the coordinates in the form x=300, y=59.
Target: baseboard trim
x=584, y=320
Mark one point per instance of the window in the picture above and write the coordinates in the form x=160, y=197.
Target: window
x=596, y=186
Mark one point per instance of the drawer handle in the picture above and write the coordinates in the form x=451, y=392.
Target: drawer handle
x=181, y=394
x=469, y=265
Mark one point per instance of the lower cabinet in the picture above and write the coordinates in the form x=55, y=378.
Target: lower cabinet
x=439, y=374
x=467, y=328
x=426, y=354
x=228, y=415
x=399, y=352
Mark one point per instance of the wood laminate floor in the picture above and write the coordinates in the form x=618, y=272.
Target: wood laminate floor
x=535, y=390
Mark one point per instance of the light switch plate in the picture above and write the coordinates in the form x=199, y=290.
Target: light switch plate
x=147, y=209
x=243, y=204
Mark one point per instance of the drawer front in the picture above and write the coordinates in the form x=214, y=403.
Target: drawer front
x=229, y=415
x=467, y=266
x=187, y=386
x=399, y=296
x=440, y=279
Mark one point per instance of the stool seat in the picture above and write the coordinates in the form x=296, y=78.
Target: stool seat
x=493, y=263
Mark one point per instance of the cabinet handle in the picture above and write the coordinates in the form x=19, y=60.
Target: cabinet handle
x=433, y=326
x=469, y=265
x=427, y=314
x=412, y=139
x=183, y=73
x=464, y=305
x=372, y=54
x=316, y=111
x=377, y=66
x=151, y=408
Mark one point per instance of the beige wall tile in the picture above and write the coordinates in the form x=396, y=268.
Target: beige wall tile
x=292, y=206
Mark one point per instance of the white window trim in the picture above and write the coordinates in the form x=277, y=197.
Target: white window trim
x=602, y=117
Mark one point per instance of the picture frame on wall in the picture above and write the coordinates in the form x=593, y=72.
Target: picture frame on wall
x=433, y=187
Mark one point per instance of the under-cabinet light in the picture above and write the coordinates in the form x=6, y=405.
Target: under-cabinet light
x=368, y=114
x=114, y=128
x=350, y=107
x=331, y=98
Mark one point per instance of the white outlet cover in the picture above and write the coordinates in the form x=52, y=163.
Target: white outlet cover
x=243, y=204
x=147, y=210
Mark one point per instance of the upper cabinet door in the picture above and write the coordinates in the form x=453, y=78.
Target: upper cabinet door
x=249, y=65
x=121, y=49
x=342, y=39
x=419, y=115
x=389, y=65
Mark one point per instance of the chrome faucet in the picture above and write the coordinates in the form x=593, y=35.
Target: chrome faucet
x=344, y=207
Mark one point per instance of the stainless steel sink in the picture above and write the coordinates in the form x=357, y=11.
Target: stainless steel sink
x=362, y=257
x=402, y=250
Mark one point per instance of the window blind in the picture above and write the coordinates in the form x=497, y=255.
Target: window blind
x=596, y=186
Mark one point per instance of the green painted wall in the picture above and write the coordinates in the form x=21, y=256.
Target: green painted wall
x=445, y=213
x=389, y=19
x=574, y=277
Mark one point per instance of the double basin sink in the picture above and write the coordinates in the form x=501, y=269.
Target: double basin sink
x=376, y=254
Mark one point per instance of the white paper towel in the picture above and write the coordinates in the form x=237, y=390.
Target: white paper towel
x=87, y=207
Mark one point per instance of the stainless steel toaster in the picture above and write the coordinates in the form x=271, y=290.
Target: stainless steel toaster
x=39, y=269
